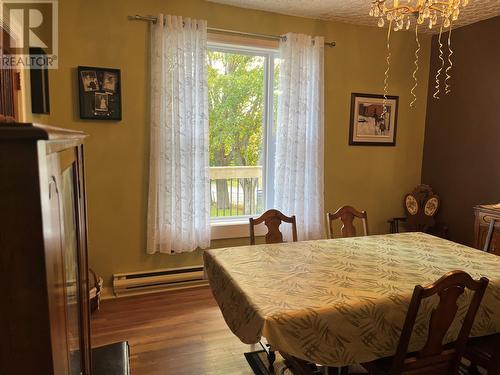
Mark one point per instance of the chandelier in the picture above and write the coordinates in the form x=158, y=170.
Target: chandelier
x=400, y=15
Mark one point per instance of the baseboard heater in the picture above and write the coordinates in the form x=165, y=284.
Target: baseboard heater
x=158, y=280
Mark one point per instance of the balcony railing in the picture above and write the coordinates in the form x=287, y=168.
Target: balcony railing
x=236, y=191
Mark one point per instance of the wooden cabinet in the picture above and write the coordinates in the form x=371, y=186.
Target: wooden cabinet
x=44, y=314
x=487, y=220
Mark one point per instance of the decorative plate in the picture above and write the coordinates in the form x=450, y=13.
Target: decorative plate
x=431, y=206
x=411, y=204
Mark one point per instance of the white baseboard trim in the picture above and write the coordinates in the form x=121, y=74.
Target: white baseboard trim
x=107, y=292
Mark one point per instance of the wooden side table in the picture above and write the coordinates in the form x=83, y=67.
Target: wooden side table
x=487, y=228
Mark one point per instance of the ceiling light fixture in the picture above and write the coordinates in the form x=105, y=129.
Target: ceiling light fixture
x=400, y=15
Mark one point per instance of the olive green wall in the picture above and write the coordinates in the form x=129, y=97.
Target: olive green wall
x=97, y=33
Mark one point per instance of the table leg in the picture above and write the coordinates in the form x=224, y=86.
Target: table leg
x=271, y=357
x=299, y=366
x=338, y=370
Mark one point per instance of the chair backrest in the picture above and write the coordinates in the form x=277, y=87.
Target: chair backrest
x=346, y=214
x=272, y=219
x=436, y=358
x=421, y=205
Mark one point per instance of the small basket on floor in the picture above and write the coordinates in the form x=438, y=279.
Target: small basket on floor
x=95, y=288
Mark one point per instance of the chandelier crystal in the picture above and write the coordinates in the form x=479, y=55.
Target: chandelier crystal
x=401, y=14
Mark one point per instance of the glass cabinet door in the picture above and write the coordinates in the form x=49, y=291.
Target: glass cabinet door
x=71, y=269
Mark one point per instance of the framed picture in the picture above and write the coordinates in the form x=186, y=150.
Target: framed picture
x=370, y=124
x=100, y=93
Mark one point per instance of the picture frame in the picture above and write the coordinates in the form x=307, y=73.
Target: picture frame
x=99, y=92
x=369, y=126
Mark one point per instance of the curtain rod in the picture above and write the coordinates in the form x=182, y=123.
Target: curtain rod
x=224, y=31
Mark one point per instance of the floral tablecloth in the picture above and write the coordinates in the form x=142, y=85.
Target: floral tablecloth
x=343, y=301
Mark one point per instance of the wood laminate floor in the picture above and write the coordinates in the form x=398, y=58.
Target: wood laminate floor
x=181, y=332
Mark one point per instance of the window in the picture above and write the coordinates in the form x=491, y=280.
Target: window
x=242, y=94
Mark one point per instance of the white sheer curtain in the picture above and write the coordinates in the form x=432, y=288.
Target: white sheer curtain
x=298, y=184
x=179, y=195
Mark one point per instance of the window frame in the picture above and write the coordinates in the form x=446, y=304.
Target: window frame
x=232, y=226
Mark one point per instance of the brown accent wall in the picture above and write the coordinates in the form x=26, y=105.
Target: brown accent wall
x=462, y=137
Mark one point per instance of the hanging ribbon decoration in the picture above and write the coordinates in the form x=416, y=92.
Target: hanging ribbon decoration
x=412, y=104
x=386, y=78
x=436, y=93
x=447, y=86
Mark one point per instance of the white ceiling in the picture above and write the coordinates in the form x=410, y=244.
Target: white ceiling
x=355, y=11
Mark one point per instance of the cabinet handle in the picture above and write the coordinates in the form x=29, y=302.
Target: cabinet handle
x=489, y=236
x=52, y=184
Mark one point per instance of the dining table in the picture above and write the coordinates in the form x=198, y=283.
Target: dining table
x=343, y=301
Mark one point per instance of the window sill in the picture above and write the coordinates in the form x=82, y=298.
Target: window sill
x=234, y=229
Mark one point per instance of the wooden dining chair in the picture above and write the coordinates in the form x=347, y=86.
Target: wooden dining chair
x=434, y=358
x=272, y=220
x=485, y=351
x=346, y=214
